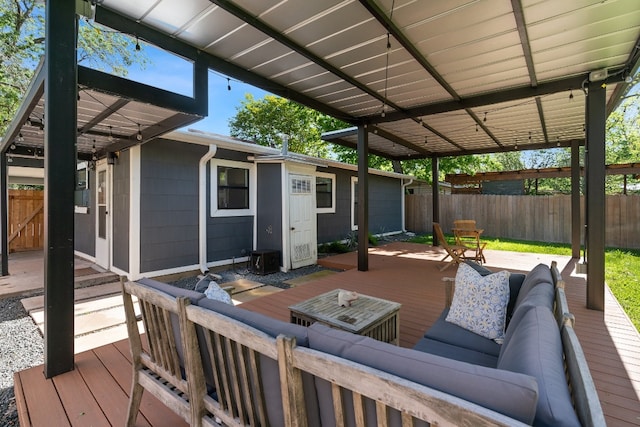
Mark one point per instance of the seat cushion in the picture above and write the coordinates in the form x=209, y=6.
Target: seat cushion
x=456, y=353
x=452, y=334
x=511, y=394
x=534, y=347
x=480, y=302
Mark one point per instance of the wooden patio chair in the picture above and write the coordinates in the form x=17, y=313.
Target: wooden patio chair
x=456, y=252
x=157, y=366
x=468, y=234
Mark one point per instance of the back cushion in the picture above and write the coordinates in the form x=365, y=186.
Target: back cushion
x=540, y=274
x=270, y=375
x=502, y=391
x=534, y=347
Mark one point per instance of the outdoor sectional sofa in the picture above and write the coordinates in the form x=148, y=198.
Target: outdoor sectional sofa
x=214, y=363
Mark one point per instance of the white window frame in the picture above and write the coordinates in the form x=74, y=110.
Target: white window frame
x=85, y=166
x=251, y=167
x=332, y=177
x=354, y=214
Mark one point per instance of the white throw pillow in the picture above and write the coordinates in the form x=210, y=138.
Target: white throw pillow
x=480, y=302
x=215, y=292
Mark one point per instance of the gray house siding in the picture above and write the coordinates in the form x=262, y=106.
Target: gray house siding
x=269, y=220
x=385, y=204
x=120, y=210
x=385, y=207
x=84, y=233
x=336, y=226
x=169, y=204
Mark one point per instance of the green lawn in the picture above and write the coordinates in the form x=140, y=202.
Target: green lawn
x=622, y=267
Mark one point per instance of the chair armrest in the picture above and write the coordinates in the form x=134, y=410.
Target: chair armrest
x=449, y=288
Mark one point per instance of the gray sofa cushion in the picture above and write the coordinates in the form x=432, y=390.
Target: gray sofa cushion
x=449, y=333
x=515, y=283
x=502, y=391
x=175, y=291
x=540, y=274
x=449, y=351
x=534, y=347
x=270, y=375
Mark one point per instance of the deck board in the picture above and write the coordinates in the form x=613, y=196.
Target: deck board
x=405, y=273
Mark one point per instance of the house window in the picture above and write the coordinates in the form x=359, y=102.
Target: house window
x=354, y=203
x=232, y=188
x=82, y=193
x=326, y=193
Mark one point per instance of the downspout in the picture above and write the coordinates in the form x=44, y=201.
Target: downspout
x=404, y=208
x=202, y=207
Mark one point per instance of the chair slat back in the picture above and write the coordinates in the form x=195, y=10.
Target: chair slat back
x=235, y=354
x=160, y=319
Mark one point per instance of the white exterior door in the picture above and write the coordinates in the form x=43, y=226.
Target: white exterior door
x=302, y=220
x=103, y=222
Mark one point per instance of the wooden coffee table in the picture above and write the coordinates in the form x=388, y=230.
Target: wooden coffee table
x=368, y=316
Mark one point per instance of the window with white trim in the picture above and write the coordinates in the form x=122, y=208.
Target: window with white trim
x=232, y=188
x=325, y=192
x=82, y=193
x=354, y=202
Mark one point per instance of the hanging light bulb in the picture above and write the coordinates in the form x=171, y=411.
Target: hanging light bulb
x=558, y=141
x=9, y=159
x=529, y=137
x=477, y=127
x=485, y=117
x=228, y=83
x=13, y=146
x=20, y=137
x=425, y=140
x=110, y=134
x=571, y=95
x=139, y=135
x=383, y=108
x=137, y=44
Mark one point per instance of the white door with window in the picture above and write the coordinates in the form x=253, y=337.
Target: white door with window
x=302, y=220
x=103, y=222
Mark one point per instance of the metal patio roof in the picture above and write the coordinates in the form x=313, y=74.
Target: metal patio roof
x=432, y=78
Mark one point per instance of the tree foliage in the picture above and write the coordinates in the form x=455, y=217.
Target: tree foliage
x=266, y=120
x=22, y=39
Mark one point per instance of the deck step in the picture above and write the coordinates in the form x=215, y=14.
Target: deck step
x=98, y=278
x=81, y=294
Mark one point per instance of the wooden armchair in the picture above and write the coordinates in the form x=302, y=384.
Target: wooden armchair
x=468, y=234
x=157, y=367
x=456, y=252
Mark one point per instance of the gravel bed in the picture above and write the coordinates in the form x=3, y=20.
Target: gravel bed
x=21, y=347
x=241, y=271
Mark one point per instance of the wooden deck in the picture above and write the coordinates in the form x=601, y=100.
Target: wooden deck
x=96, y=392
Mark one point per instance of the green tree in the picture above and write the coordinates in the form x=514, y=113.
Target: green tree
x=266, y=121
x=22, y=45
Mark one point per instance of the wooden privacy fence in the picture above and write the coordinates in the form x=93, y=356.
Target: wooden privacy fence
x=534, y=218
x=26, y=220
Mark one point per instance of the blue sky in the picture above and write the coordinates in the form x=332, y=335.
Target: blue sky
x=175, y=74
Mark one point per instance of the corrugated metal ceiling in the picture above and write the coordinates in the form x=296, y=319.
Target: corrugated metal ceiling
x=431, y=78
x=360, y=58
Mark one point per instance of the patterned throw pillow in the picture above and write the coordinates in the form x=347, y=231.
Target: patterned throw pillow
x=480, y=302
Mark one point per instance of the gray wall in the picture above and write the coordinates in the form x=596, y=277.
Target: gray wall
x=120, y=210
x=169, y=204
x=269, y=220
x=84, y=232
x=385, y=207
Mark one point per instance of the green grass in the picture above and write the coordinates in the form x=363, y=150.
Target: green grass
x=622, y=267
